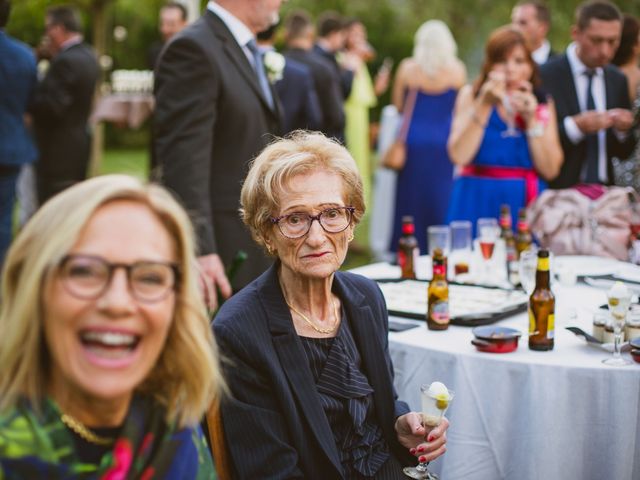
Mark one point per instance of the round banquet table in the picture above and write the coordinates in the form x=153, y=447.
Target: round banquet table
x=561, y=414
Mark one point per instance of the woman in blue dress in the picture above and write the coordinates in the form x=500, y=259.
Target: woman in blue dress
x=504, y=139
x=426, y=86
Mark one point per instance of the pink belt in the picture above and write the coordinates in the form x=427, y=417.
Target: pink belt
x=529, y=176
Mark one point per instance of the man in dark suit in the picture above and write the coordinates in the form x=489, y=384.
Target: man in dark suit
x=299, y=38
x=591, y=98
x=62, y=104
x=172, y=19
x=332, y=36
x=214, y=112
x=533, y=18
x=296, y=90
x=17, y=82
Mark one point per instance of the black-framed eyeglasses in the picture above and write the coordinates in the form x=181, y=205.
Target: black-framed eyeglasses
x=88, y=277
x=298, y=224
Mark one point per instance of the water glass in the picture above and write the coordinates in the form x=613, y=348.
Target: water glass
x=439, y=236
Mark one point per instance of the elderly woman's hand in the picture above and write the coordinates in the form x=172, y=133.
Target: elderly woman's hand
x=412, y=435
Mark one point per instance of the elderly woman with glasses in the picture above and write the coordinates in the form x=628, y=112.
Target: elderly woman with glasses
x=309, y=367
x=107, y=361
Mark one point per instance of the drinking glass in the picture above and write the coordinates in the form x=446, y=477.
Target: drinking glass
x=488, y=232
x=527, y=266
x=511, y=130
x=460, y=246
x=439, y=236
x=433, y=409
x=618, y=307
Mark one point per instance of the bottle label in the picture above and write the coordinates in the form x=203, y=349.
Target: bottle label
x=543, y=264
x=402, y=259
x=551, y=321
x=440, y=312
x=532, y=323
x=438, y=270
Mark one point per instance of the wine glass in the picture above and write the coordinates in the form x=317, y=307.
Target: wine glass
x=488, y=232
x=511, y=130
x=527, y=266
x=619, y=298
x=460, y=246
x=434, y=406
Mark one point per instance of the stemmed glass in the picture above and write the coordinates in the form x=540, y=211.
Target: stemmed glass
x=619, y=298
x=487, y=235
x=527, y=266
x=434, y=407
x=511, y=130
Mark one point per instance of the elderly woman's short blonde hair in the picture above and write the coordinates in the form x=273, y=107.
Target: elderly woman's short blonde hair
x=186, y=377
x=299, y=153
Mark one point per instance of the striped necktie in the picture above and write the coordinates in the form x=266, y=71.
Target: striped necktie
x=592, y=154
x=258, y=66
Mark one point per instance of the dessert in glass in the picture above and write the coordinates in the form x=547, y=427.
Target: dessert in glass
x=436, y=398
x=619, y=298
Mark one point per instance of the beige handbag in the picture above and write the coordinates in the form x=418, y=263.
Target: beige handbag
x=396, y=155
x=570, y=223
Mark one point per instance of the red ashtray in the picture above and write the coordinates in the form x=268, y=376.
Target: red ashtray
x=494, y=339
x=635, y=354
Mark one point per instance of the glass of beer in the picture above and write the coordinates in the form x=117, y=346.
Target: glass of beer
x=460, y=246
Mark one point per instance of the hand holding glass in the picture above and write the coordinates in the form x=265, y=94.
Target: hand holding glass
x=434, y=406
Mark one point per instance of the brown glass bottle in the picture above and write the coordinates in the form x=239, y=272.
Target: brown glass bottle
x=524, y=239
x=407, y=248
x=542, y=306
x=506, y=233
x=438, y=294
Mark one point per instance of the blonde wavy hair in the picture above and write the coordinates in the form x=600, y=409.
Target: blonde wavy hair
x=434, y=47
x=299, y=153
x=185, y=379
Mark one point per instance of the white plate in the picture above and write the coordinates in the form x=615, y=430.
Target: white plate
x=586, y=265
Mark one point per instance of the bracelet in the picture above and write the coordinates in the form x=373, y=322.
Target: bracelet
x=477, y=121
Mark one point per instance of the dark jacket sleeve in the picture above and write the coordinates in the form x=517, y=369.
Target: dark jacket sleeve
x=186, y=90
x=252, y=415
x=54, y=95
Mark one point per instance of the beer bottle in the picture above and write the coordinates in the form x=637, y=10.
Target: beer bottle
x=407, y=248
x=506, y=233
x=438, y=294
x=542, y=305
x=524, y=239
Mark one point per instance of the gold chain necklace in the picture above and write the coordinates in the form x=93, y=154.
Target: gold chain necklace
x=313, y=325
x=84, y=432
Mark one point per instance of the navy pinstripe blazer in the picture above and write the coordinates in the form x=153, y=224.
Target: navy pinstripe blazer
x=274, y=424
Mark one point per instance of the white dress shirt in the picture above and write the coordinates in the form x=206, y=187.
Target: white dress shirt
x=598, y=90
x=239, y=30
x=541, y=54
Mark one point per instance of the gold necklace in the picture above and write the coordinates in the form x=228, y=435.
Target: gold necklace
x=84, y=432
x=313, y=325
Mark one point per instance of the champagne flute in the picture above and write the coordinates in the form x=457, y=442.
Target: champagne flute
x=487, y=235
x=619, y=298
x=527, y=266
x=436, y=398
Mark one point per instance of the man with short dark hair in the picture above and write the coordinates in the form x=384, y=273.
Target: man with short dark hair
x=533, y=18
x=172, y=19
x=62, y=104
x=331, y=38
x=215, y=111
x=299, y=38
x=592, y=102
x=17, y=82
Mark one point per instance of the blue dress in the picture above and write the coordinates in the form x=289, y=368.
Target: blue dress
x=495, y=176
x=424, y=184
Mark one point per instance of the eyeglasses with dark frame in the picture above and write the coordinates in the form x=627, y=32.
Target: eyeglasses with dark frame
x=88, y=276
x=297, y=224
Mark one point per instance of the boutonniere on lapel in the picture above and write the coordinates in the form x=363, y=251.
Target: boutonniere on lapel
x=274, y=64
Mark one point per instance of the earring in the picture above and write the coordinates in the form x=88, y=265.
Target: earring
x=350, y=239
x=270, y=249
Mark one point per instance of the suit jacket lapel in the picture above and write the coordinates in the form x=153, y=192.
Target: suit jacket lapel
x=238, y=57
x=371, y=348
x=571, y=94
x=294, y=364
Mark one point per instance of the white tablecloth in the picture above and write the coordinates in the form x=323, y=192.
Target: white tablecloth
x=527, y=415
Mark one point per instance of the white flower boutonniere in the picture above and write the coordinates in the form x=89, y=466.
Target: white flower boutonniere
x=274, y=63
